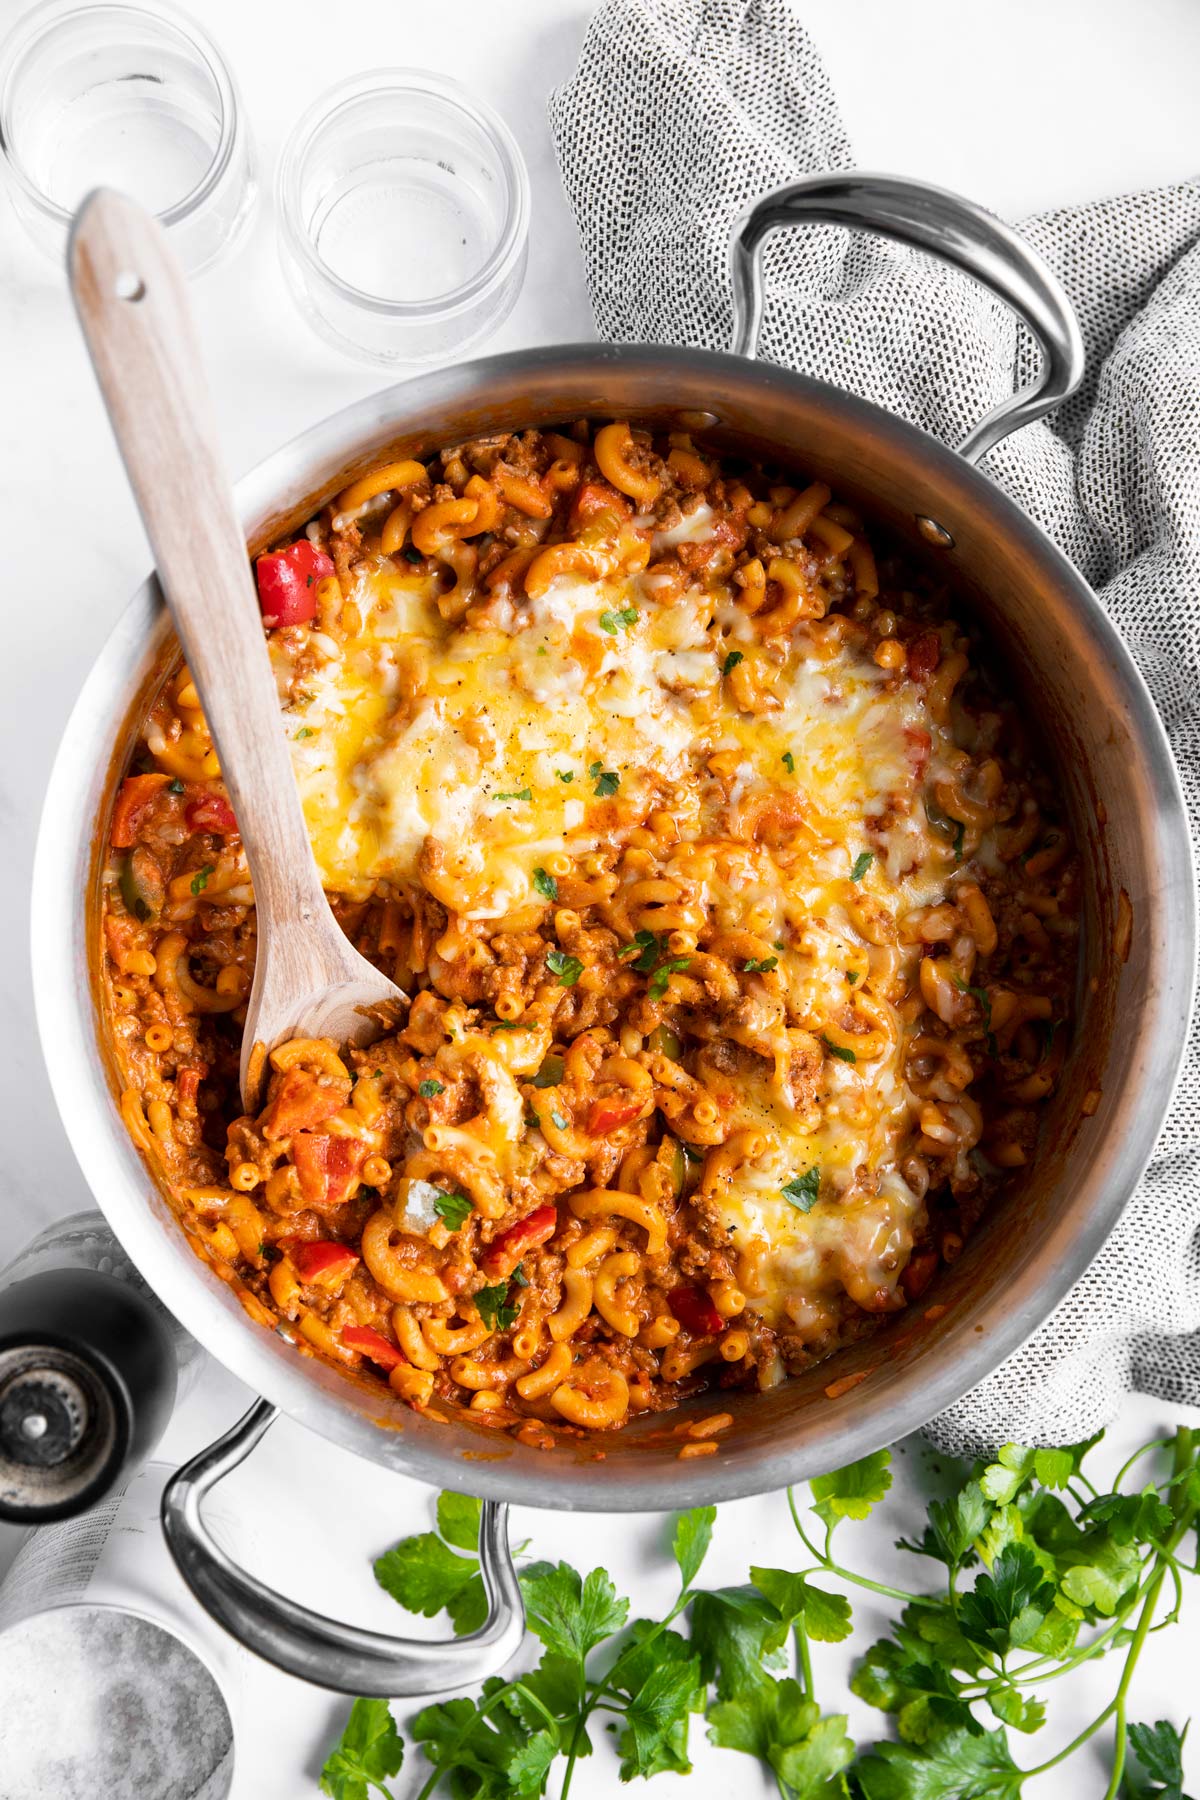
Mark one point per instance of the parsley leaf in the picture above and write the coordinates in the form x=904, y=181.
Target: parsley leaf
x=200, y=878
x=803, y=1190
x=1159, y=1750
x=760, y=965
x=550, y=1073
x=571, y=1613
x=862, y=863
x=567, y=968
x=648, y=950
x=368, y=1750
x=732, y=661
x=565, y=775
x=851, y=1492
x=428, y=1089
x=613, y=622
x=455, y=1209
x=305, y=731
x=607, y=781
x=789, y=762
x=491, y=1303
x=545, y=884
x=842, y=1054
x=957, y=1766
x=176, y=786
x=518, y=794
x=427, y=1576
x=658, y=981
x=693, y=1534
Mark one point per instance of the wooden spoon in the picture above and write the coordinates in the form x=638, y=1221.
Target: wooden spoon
x=132, y=304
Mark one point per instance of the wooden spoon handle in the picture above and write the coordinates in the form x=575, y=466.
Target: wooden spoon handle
x=132, y=304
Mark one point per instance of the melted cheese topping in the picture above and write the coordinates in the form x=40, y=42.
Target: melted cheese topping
x=465, y=756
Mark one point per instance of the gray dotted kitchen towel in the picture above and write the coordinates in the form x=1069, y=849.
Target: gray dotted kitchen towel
x=683, y=111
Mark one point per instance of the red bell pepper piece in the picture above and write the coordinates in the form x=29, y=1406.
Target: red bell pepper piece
x=505, y=1252
x=924, y=655
x=369, y=1342
x=210, y=812
x=920, y=749
x=301, y=1102
x=609, y=1115
x=695, y=1311
x=287, y=582
x=327, y=1166
x=136, y=796
x=325, y=1262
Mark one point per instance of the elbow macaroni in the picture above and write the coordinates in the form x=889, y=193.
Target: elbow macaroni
x=739, y=926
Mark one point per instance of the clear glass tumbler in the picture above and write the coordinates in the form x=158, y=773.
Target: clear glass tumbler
x=111, y=95
x=403, y=217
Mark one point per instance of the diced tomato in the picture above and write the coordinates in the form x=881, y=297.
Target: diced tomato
x=595, y=497
x=188, y=1080
x=920, y=749
x=609, y=1115
x=695, y=1311
x=137, y=794
x=327, y=1166
x=325, y=1262
x=924, y=655
x=301, y=1102
x=210, y=812
x=919, y=1272
x=373, y=1344
x=505, y=1252
x=287, y=582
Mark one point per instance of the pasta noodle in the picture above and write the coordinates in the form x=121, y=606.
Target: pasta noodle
x=738, y=921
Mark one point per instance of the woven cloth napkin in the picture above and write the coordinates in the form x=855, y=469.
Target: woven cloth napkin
x=679, y=114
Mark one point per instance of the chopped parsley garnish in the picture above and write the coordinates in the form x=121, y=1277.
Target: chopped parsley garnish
x=428, y=1089
x=200, y=878
x=985, y=1007
x=565, y=774
x=644, y=950
x=508, y=1025
x=176, y=786
x=613, y=622
x=732, y=661
x=789, y=762
x=455, y=1209
x=852, y=976
x=491, y=1305
x=862, y=863
x=803, y=1190
x=658, y=981
x=518, y=794
x=837, y=1050
x=607, y=781
x=760, y=965
x=518, y=1277
x=545, y=884
x=305, y=731
x=559, y=1123
x=550, y=1073
x=567, y=968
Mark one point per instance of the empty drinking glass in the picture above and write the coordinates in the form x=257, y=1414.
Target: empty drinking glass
x=110, y=95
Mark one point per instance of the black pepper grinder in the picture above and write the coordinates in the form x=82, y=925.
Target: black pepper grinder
x=91, y=1365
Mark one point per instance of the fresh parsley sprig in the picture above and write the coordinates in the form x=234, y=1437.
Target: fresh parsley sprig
x=1041, y=1573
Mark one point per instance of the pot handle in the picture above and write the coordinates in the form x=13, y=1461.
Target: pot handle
x=323, y=1651
x=947, y=226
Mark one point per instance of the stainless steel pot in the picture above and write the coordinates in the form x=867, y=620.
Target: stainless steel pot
x=1120, y=787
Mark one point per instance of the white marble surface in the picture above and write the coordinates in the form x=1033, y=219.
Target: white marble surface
x=1025, y=109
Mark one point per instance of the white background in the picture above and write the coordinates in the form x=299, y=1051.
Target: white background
x=1026, y=106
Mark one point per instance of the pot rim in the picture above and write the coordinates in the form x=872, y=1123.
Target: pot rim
x=876, y=1414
